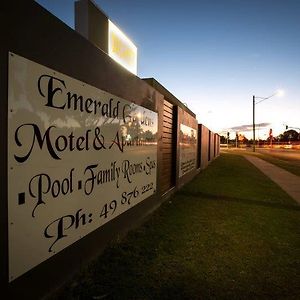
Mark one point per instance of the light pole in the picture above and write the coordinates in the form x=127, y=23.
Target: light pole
x=277, y=93
x=253, y=123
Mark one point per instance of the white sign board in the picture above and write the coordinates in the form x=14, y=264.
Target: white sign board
x=121, y=48
x=187, y=150
x=77, y=158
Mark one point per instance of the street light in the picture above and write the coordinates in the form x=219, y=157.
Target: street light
x=277, y=93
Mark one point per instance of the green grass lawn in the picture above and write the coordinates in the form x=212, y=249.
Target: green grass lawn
x=283, y=162
x=290, y=164
x=229, y=234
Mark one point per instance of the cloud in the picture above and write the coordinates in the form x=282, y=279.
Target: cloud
x=249, y=127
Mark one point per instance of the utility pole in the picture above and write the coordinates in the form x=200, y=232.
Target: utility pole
x=253, y=123
x=278, y=93
x=227, y=139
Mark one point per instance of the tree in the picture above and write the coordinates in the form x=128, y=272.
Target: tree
x=289, y=135
x=223, y=139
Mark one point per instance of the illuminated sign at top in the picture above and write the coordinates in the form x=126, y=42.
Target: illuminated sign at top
x=121, y=48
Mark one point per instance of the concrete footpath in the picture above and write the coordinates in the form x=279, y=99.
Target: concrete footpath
x=286, y=180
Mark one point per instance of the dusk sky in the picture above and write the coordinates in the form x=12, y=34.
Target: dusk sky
x=214, y=55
